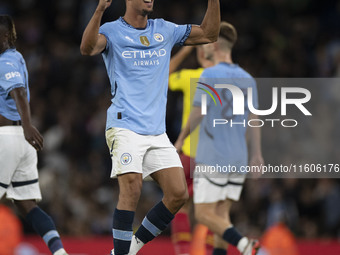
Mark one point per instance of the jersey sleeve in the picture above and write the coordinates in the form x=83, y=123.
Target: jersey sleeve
x=179, y=33
x=104, y=30
x=10, y=77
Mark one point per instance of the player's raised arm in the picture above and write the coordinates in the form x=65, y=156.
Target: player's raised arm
x=209, y=29
x=92, y=42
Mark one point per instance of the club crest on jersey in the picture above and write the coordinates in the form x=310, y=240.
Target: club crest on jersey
x=144, y=40
x=158, y=37
x=125, y=159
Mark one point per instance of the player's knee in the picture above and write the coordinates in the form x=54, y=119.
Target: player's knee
x=185, y=197
x=25, y=206
x=130, y=187
x=186, y=207
x=179, y=197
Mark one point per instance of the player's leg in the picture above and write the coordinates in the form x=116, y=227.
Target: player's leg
x=221, y=246
x=202, y=194
x=24, y=191
x=208, y=196
x=180, y=226
x=173, y=185
x=231, y=235
x=207, y=193
x=42, y=223
x=130, y=186
x=10, y=155
x=162, y=162
x=205, y=213
x=127, y=149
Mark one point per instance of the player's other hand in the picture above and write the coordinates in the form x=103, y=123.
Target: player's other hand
x=178, y=145
x=33, y=136
x=103, y=5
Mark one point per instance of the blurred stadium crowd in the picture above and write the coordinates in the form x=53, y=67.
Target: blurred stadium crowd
x=70, y=94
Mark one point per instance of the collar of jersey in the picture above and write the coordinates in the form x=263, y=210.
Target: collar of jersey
x=229, y=64
x=7, y=50
x=128, y=25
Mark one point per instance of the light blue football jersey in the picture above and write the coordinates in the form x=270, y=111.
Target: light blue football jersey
x=137, y=63
x=224, y=145
x=13, y=74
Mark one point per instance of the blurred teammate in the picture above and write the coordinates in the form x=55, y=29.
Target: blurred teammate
x=136, y=52
x=19, y=140
x=180, y=81
x=223, y=145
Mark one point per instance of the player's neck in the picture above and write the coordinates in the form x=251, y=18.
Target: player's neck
x=223, y=58
x=136, y=20
x=4, y=48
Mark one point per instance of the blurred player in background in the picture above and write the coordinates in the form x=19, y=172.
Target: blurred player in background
x=136, y=52
x=19, y=140
x=222, y=145
x=180, y=81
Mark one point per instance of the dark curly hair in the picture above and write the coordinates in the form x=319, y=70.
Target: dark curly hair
x=7, y=22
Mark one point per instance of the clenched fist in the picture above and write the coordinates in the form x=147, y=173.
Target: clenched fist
x=103, y=5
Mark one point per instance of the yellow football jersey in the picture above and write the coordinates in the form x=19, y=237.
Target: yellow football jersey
x=180, y=81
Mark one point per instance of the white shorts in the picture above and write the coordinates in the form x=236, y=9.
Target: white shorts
x=18, y=164
x=208, y=189
x=145, y=154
